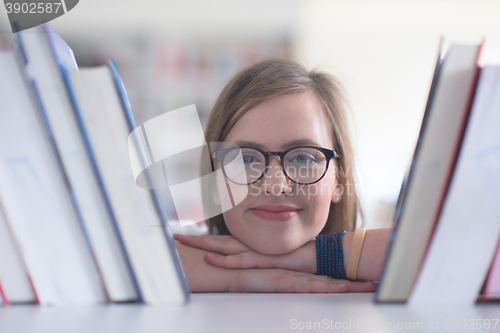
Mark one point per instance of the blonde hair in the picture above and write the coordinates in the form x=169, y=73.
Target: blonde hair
x=271, y=78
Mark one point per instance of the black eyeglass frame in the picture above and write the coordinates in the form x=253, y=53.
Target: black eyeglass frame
x=329, y=154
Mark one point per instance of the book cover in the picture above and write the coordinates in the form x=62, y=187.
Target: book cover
x=36, y=199
x=46, y=54
x=15, y=282
x=431, y=171
x=101, y=117
x=468, y=228
x=492, y=284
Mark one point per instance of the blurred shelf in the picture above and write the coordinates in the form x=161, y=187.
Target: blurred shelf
x=240, y=312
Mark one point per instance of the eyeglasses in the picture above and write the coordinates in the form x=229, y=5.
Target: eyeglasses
x=303, y=165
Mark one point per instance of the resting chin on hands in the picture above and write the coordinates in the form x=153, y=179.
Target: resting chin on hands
x=231, y=266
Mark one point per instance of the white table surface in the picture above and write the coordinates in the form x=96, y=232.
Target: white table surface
x=246, y=313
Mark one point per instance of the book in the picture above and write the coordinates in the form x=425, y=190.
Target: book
x=491, y=288
x=160, y=199
x=432, y=166
x=99, y=104
x=15, y=283
x=468, y=228
x=45, y=53
x=36, y=199
x=406, y=178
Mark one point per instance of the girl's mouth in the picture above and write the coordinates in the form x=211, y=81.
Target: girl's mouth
x=276, y=212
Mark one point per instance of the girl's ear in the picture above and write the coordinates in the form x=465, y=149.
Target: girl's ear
x=339, y=183
x=337, y=193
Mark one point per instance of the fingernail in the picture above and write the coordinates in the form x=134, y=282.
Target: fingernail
x=342, y=285
x=369, y=282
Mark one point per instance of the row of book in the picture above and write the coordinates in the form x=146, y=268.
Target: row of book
x=445, y=247
x=75, y=229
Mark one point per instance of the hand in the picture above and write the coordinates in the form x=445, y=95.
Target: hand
x=203, y=277
x=225, y=244
x=287, y=281
x=231, y=253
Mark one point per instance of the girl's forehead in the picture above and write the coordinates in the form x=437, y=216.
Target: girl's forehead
x=278, y=121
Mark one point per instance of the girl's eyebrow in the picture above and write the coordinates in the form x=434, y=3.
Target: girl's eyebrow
x=299, y=142
x=243, y=143
x=286, y=145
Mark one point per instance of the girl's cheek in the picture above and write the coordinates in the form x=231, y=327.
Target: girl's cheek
x=314, y=192
x=226, y=189
x=254, y=190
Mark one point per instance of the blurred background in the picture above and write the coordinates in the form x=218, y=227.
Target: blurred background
x=176, y=53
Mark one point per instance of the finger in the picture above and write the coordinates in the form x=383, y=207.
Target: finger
x=360, y=287
x=249, y=259
x=309, y=284
x=223, y=244
x=332, y=284
x=329, y=284
x=286, y=281
x=354, y=286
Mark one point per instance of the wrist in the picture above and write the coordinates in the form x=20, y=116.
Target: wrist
x=311, y=264
x=329, y=255
x=346, y=247
x=302, y=259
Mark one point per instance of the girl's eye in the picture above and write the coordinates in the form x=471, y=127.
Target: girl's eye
x=247, y=159
x=302, y=158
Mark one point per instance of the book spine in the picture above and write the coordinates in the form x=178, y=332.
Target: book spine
x=3, y=296
x=129, y=115
x=23, y=56
x=492, y=285
x=88, y=147
x=19, y=248
x=68, y=187
x=407, y=183
x=453, y=162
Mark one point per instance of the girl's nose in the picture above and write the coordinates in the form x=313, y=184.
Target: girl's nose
x=275, y=182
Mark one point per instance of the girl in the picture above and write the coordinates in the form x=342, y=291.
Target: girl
x=292, y=130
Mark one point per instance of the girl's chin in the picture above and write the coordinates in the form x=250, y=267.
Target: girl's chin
x=275, y=247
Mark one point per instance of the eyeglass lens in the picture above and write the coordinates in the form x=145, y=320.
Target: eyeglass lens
x=302, y=165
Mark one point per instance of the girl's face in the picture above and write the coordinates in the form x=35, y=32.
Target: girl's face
x=277, y=124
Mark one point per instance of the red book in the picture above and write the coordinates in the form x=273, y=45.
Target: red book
x=491, y=289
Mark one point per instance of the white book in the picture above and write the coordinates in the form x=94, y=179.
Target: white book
x=45, y=51
x=468, y=229
x=104, y=122
x=431, y=170
x=14, y=278
x=37, y=201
